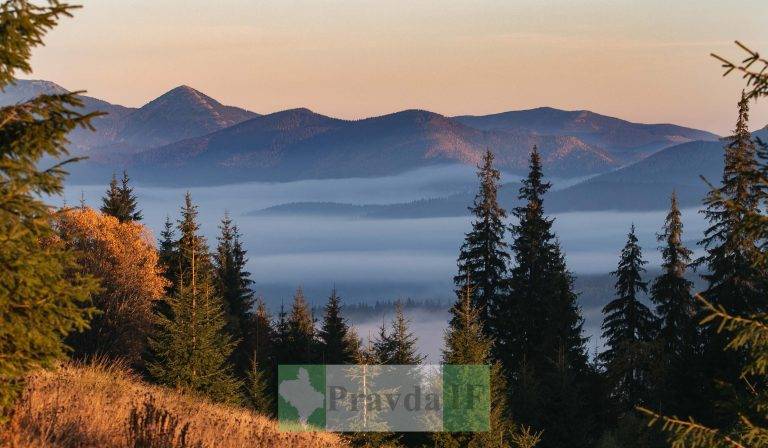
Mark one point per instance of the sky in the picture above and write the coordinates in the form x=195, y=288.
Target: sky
x=645, y=61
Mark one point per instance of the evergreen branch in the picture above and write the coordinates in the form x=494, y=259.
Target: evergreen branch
x=748, y=332
x=757, y=78
x=689, y=433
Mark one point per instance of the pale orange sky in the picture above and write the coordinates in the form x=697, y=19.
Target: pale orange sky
x=645, y=61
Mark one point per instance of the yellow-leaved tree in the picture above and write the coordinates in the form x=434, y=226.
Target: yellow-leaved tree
x=123, y=257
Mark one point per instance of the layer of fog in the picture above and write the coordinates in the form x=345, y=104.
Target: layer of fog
x=371, y=260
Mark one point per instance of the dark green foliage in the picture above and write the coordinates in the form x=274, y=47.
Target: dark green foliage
x=398, y=346
x=337, y=340
x=671, y=291
x=537, y=328
x=466, y=343
x=731, y=251
x=167, y=251
x=483, y=257
x=233, y=284
x=191, y=348
x=193, y=259
x=631, y=431
x=282, y=340
x=747, y=425
x=262, y=335
x=734, y=271
x=675, y=308
x=120, y=201
x=258, y=392
x=40, y=302
x=296, y=334
x=263, y=372
x=629, y=327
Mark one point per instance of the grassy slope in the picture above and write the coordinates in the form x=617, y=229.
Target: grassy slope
x=90, y=406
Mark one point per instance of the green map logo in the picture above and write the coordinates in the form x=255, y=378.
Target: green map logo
x=301, y=397
x=384, y=398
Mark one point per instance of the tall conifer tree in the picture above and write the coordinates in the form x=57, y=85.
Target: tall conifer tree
x=191, y=348
x=167, y=250
x=233, y=284
x=398, y=346
x=483, y=257
x=731, y=250
x=337, y=341
x=734, y=273
x=467, y=344
x=264, y=336
x=671, y=293
x=537, y=328
x=628, y=328
x=40, y=303
x=300, y=338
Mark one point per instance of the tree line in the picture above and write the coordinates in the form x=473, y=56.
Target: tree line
x=655, y=354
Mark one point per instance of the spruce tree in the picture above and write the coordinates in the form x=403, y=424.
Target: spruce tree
x=233, y=284
x=483, y=257
x=537, y=327
x=263, y=335
x=731, y=250
x=337, y=342
x=191, y=348
x=167, y=250
x=398, y=346
x=282, y=337
x=120, y=202
x=628, y=327
x=734, y=272
x=675, y=308
x=467, y=344
x=300, y=340
x=258, y=391
x=40, y=303
x=191, y=247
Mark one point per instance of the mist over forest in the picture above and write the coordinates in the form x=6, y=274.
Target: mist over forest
x=370, y=260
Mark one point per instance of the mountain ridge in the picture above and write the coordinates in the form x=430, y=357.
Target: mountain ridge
x=205, y=142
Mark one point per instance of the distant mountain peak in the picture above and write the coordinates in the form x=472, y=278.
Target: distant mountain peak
x=180, y=113
x=187, y=95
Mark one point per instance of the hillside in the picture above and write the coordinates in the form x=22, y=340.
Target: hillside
x=645, y=185
x=301, y=144
x=91, y=406
x=180, y=113
x=627, y=141
x=82, y=140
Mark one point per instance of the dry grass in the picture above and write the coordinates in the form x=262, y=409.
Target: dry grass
x=93, y=406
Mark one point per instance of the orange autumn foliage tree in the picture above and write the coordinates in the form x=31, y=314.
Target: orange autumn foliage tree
x=123, y=257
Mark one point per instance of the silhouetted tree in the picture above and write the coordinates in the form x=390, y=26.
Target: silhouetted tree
x=483, y=257
x=301, y=338
x=398, y=346
x=467, y=344
x=537, y=328
x=628, y=329
x=671, y=293
x=120, y=202
x=233, y=284
x=337, y=341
